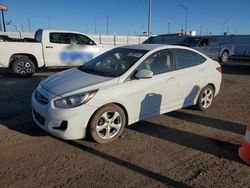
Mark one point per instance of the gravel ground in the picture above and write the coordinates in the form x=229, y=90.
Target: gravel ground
x=185, y=148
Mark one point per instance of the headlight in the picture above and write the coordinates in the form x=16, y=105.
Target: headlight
x=74, y=100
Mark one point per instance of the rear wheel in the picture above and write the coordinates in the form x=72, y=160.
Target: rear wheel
x=206, y=98
x=224, y=57
x=107, y=123
x=23, y=67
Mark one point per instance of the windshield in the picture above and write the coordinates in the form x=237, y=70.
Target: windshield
x=113, y=63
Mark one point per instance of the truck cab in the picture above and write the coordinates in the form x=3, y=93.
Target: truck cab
x=49, y=48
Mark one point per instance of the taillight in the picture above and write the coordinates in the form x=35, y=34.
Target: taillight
x=219, y=69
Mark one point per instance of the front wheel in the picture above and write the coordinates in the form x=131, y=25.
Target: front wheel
x=23, y=67
x=206, y=98
x=107, y=123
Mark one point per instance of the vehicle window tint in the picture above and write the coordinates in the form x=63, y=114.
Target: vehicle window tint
x=83, y=40
x=60, y=38
x=186, y=58
x=213, y=42
x=159, y=62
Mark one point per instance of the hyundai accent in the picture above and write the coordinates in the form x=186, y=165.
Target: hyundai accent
x=122, y=86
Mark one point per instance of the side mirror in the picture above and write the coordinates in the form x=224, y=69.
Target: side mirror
x=144, y=74
x=91, y=42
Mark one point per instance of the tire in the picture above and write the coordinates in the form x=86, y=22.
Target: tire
x=206, y=98
x=23, y=67
x=103, y=127
x=224, y=57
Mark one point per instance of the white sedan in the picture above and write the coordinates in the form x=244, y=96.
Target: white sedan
x=123, y=86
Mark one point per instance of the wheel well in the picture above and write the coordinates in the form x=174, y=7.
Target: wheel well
x=16, y=56
x=226, y=50
x=124, y=110
x=117, y=104
x=213, y=86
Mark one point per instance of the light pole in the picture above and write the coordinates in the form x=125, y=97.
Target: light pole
x=222, y=25
x=149, y=17
x=186, y=9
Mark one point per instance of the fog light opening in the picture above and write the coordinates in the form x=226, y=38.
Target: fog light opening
x=63, y=126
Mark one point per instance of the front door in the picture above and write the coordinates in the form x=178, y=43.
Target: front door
x=154, y=95
x=69, y=49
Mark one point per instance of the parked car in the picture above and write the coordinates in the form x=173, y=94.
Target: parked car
x=49, y=48
x=123, y=86
x=216, y=47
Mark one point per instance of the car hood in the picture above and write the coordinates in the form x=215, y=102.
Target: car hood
x=72, y=80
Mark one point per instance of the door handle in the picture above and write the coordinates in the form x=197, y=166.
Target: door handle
x=49, y=46
x=201, y=70
x=171, y=78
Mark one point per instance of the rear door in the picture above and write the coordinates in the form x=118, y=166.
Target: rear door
x=191, y=76
x=57, y=43
x=156, y=94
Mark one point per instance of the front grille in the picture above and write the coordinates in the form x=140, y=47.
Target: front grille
x=39, y=118
x=39, y=97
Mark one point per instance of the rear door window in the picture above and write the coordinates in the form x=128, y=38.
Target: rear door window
x=186, y=58
x=60, y=38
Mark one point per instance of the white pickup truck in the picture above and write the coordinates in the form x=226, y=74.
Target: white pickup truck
x=49, y=48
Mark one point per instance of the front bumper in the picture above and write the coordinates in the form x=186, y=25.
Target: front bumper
x=51, y=119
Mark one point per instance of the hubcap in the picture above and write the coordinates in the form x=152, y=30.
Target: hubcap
x=207, y=97
x=224, y=57
x=24, y=68
x=109, y=124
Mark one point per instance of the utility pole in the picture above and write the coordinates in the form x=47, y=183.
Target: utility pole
x=95, y=25
x=200, y=30
x=21, y=24
x=4, y=28
x=168, y=27
x=149, y=17
x=0, y=25
x=107, y=25
x=29, y=24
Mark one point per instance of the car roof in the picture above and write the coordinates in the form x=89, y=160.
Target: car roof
x=143, y=46
x=150, y=47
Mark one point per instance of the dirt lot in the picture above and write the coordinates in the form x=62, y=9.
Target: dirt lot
x=186, y=148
